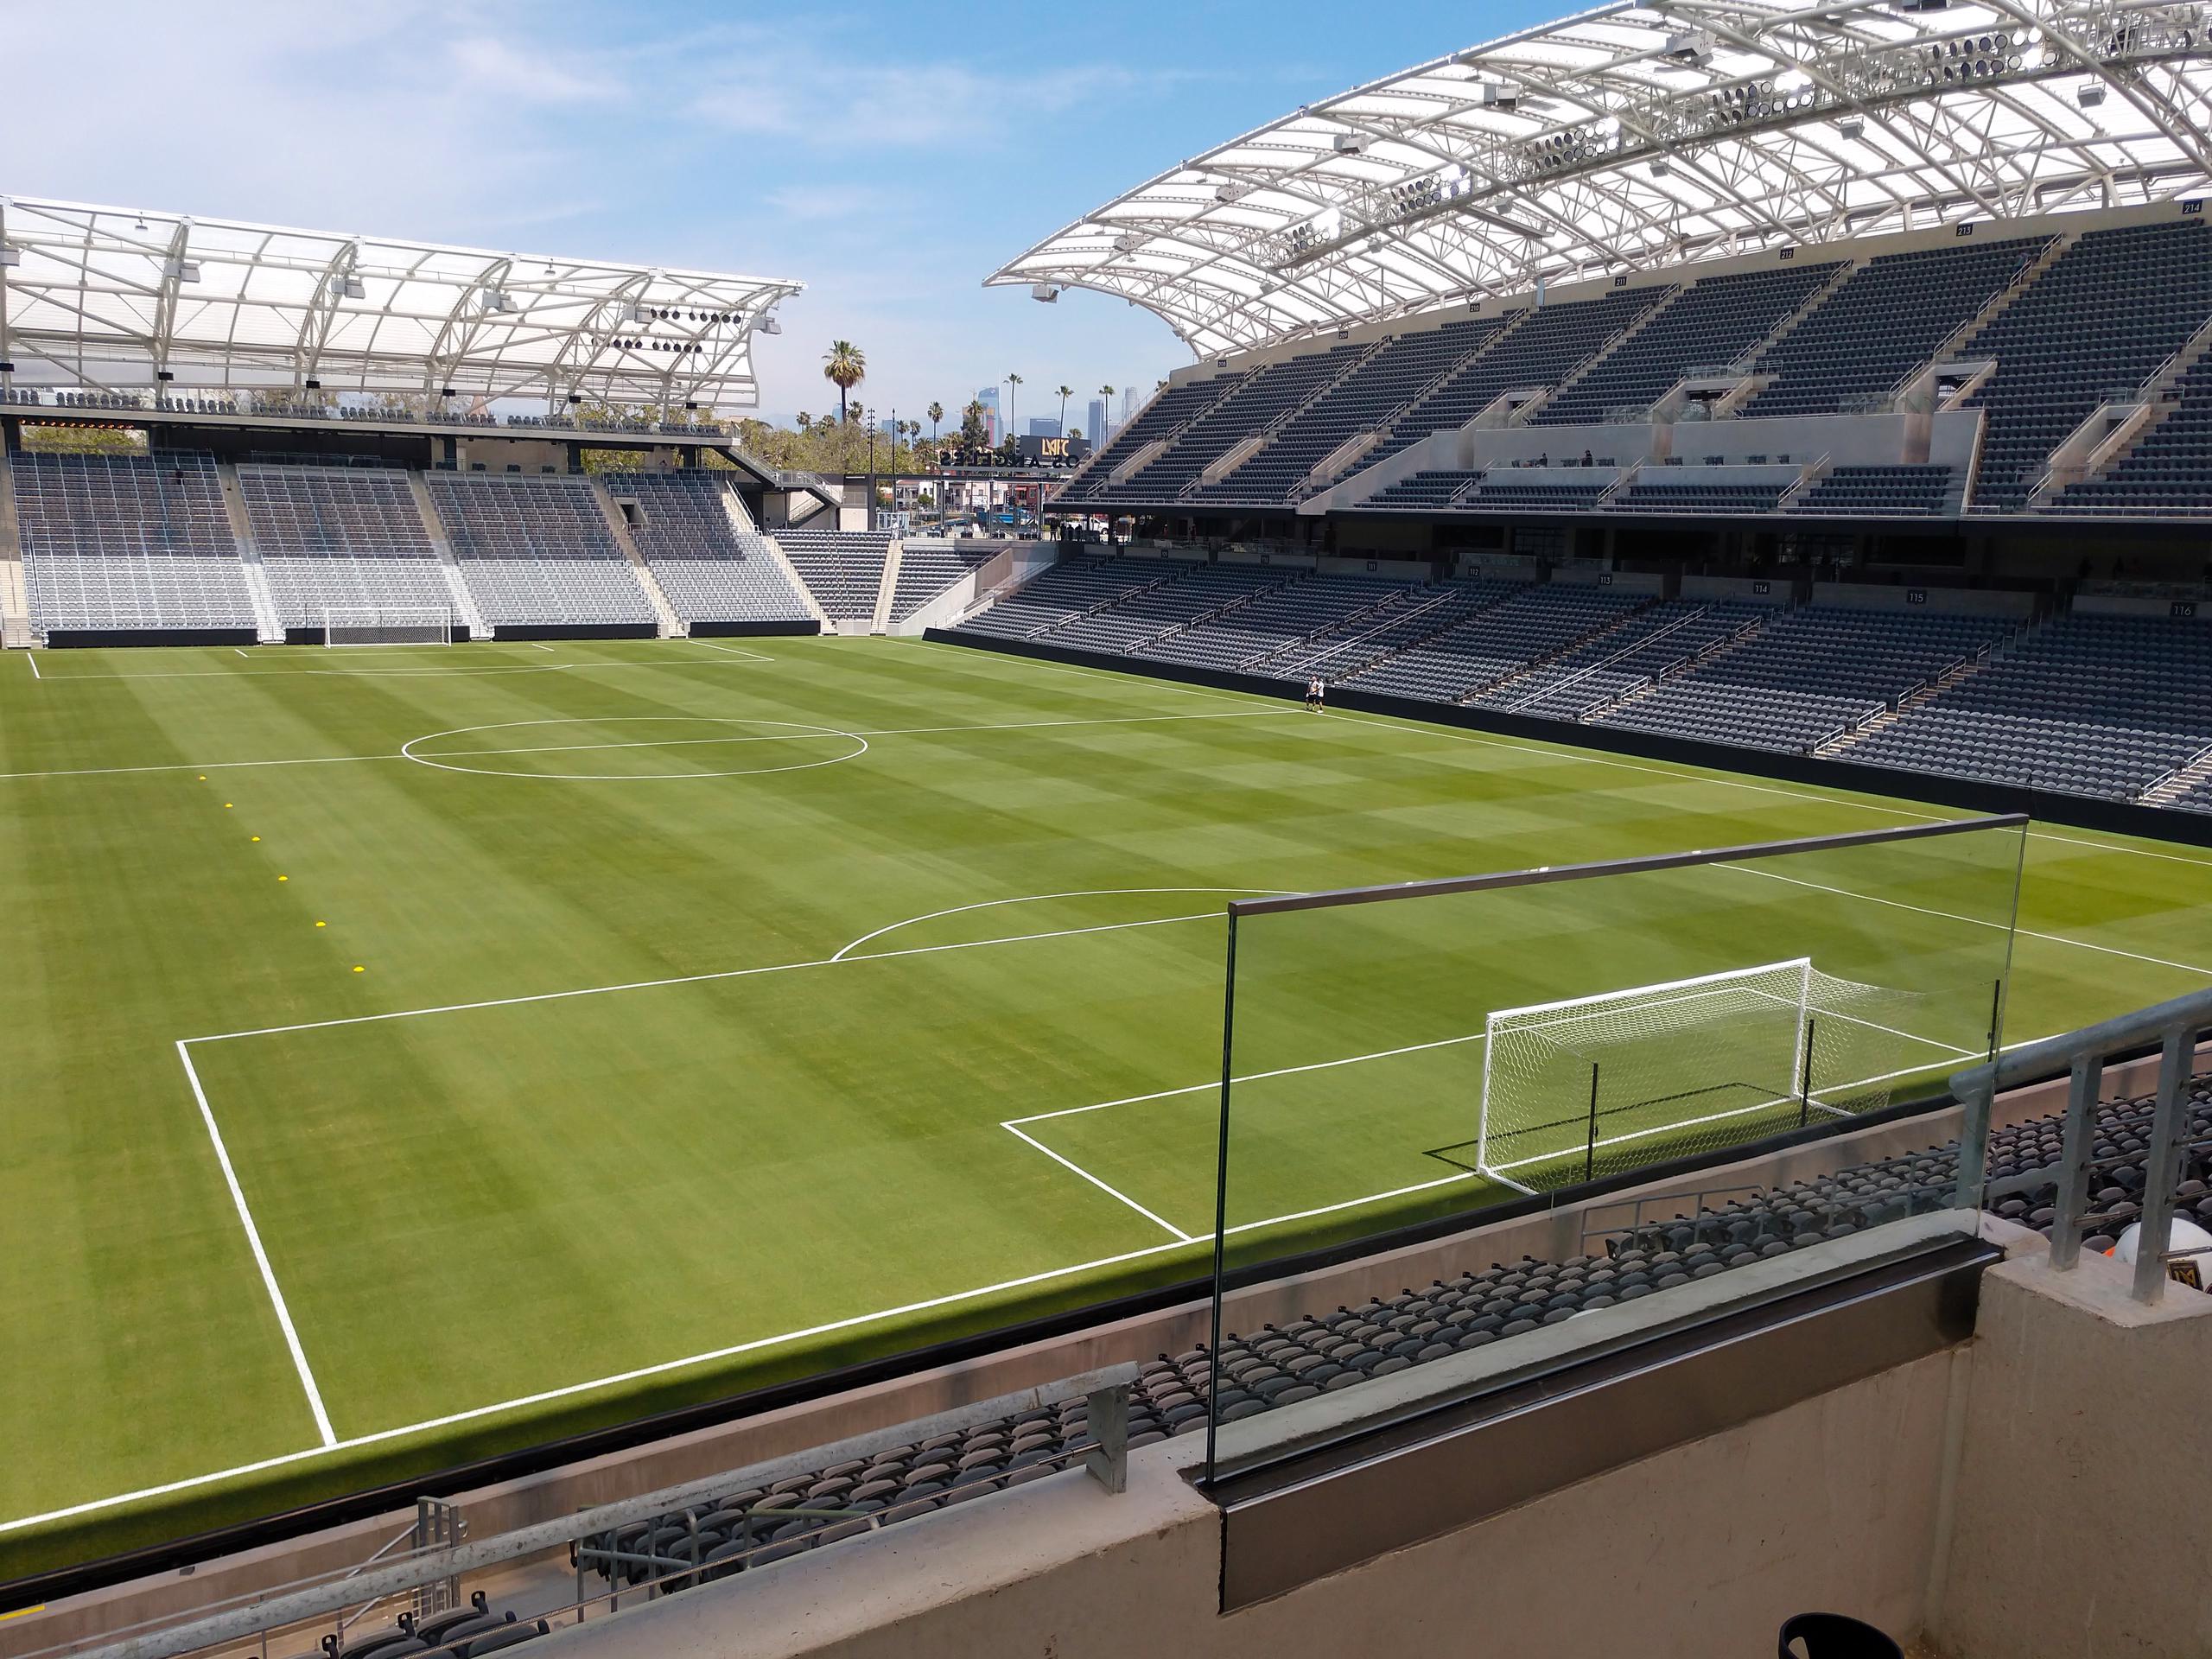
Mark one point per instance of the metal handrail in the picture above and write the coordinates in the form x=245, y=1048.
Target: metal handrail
x=2174, y=1025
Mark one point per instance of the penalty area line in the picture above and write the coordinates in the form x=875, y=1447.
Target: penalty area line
x=1111, y=1192
x=260, y=1255
x=288, y=1458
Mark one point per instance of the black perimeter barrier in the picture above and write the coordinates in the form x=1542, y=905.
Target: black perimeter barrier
x=85, y=639
x=754, y=630
x=1926, y=788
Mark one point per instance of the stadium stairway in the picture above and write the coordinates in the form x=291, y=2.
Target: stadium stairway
x=14, y=601
x=2180, y=783
x=672, y=627
x=798, y=583
x=1844, y=742
x=269, y=625
x=1628, y=699
x=464, y=602
x=886, y=591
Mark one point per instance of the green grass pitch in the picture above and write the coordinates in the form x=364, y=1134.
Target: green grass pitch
x=590, y=1028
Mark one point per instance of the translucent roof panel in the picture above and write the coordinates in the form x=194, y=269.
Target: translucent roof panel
x=109, y=297
x=1638, y=136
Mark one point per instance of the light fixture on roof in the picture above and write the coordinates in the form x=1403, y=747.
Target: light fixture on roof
x=1661, y=168
x=182, y=270
x=1499, y=95
x=638, y=313
x=1691, y=47
x=770, y=325
x=1045, y=293
x=10, y=258
x=1128, y=242
x=1232, y=192
x=492, y=301
x=350, y=288
x=1349, y=143
x=1852, y=127
x=2091, y=94
x=141, y=223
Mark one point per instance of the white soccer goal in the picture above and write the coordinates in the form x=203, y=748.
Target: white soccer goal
x=387, y=626
x=1562, y=1079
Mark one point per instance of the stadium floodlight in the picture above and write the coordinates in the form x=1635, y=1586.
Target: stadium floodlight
x=1852, y=127
x=351, y=288
x=182, y=270
x=1045, y=293
x=1349, y=143
x=2091, y=94
x=770, y=325
x=1128, y=242
x=387, y=626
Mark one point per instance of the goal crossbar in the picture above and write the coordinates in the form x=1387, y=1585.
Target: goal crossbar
x=387, y=625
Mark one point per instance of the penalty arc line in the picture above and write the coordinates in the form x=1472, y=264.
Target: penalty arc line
x=260, y=1255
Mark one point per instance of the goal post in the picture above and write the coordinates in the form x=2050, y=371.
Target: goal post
x=1649, y=1062
x=426, y=625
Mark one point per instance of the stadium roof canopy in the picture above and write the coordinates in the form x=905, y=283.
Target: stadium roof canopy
x=111, y=298
x=1639, y=135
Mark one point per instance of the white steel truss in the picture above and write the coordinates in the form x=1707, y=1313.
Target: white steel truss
x=112, y=299
x=1651, y=133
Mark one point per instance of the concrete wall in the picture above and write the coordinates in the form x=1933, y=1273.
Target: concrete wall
x=1702, y=1550
x=2080, y=1521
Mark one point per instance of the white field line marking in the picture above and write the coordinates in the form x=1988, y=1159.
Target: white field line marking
x=284, y=1459
x=969, y=653
x=1971, y=921
x=699, y=979
x=34, y=657
x=796, y=737
x=240, y=650
x=738, y=652
x=1739, y=1111
x=569, y=1390
x=396, y=673
x=1249, y=1076
x=260, y=1255
x=1041, y=897
x=327, y=759
x=1566, y=751
x=536, y=645
x=1070, y=1163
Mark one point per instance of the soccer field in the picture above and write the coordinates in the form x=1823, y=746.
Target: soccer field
x=412, y=1053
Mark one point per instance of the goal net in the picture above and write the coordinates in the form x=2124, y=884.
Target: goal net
x=1575, y=1088
x=387, y=626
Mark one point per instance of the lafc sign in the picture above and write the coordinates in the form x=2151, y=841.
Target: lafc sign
x=1053, y=448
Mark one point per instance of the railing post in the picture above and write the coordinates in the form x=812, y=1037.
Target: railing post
x=2074, y=1161
x=1974, y=1139
x=2162, y=1168
x=1109, y=1461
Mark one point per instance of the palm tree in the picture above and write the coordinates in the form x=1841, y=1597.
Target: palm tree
x=844, y=365
x=1105, y=414
x=936, y=414
x=1012, y=381
x=1066, y=392
x=804, y=420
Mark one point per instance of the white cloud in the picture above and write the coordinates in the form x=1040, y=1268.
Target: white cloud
x=494, y=66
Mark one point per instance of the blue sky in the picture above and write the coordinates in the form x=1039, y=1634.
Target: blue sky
x=890, y=157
